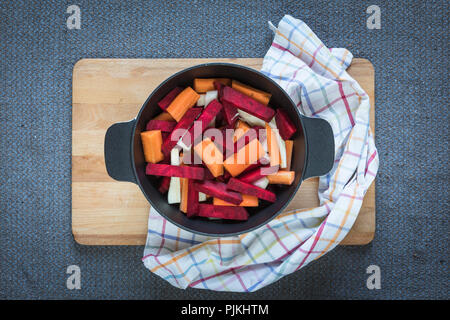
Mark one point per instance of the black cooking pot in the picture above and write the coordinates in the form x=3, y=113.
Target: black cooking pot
x=313, y=152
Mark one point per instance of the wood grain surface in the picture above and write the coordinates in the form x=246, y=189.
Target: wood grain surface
x=106, y=91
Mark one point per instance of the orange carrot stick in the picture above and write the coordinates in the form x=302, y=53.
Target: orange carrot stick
x=211, y=156
x=182, y=103
x=241, y=129
x=241, y=160
x=184, y=194
x=258, y=95
x=272, y=145
x=282, y=177
x=164, y=116
x=204, y=85
x=247, y=201
x=151, y=143
x=289, y=146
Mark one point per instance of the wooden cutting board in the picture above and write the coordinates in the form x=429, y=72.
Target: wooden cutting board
x=105, y=91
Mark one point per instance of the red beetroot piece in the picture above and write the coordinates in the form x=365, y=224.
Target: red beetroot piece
x=222, y=144
x=208, y=174
x=285, y=126
x=219, y=190
x=230, y=113
x=258, y=173
x=247, y=188
x=219, y=87
x=223, y=212
x=165, y=135
x=167, y=100
x=164, y=185
x=208, y=114
x=247, y=104
x=260, y=163
x=192, y=202
x=252, y=167
x=225, y=177
x=184, y=123
x=220, y=119
x=164, y=126
x=168, y=170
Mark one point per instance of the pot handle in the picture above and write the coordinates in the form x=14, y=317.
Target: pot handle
x=118, y=159
x=320, y=147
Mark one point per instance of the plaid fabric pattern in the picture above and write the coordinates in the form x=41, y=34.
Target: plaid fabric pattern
x=316, y=79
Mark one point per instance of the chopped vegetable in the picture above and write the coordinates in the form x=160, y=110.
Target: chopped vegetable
x=226, y=176
x=205, y=85
x=151, y=143
x=211, y=156
x=201, y=100
x=174, y=195
x=246, y=188
x=273, y=149
x=280, y=143
x=220, y=119
x=247, y=201
x=256, y=94
x=243, y=140
x=261, y=132
x=164, y=116
x=165, y=102
x=201, y=197
x=182, y=103
x=219, y=87
x=165, y=135
x=240, y=130
x=241, y=160
x=192, y=199
x=175, y=171
x=184, y=194
x=163, y=125
x=247, y=104
x=282, y=177
x=258, y=173
x=184, y=123
x=230, y=112
x=202, y=122
x=262, y=183
x=218, y=190
x=251, y=167
x=208, y=173
x=210, y=96
x=164, y=185
x=224, y=147
x=222, y=212
x=284, y=124
x=188, y=156
x=252, y=120
x=289, y=146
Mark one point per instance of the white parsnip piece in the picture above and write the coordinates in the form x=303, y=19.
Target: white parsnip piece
x=174, y=194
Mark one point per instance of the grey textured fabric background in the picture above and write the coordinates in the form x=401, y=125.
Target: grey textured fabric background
x=410, y=55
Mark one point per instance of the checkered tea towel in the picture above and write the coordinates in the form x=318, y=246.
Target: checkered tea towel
x=316, y=79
